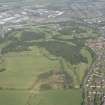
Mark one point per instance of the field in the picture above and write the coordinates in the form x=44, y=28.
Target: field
x=8, y=97
x=62, y=97
x=41, y=66
x=22, y=70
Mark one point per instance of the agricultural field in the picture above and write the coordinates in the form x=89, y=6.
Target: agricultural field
x=39, y=65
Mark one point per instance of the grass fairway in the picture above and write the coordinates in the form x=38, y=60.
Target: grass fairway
x=58, y=97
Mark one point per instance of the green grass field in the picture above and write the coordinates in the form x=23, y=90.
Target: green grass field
x=8, y=97
x=57, y=97
x=61, y=97
x=23, y=68
x=29, y=53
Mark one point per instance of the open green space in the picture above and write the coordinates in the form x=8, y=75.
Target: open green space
x=22, y=68
x=13, y=97
x=55, y=97
x=45, y=65
x=61, y=97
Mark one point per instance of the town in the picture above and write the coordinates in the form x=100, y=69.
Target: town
x=95, y=79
